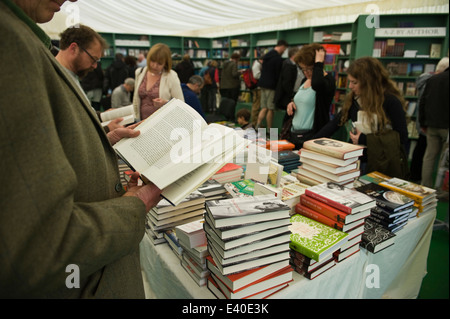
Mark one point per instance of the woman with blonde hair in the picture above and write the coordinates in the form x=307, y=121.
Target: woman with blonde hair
x=156, y=83
x=373, y=92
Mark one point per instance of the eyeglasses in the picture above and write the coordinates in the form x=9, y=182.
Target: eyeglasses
x=308, y=69
x=93, y=59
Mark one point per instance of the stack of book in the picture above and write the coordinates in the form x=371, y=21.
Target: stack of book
x=338, y=207
x=393, y=208
x=213, y=190
x=313, y=244
x=289, y=193
x=289, y=159
x=192, y=239
x=376, y=238
x=230, y=172
x=245, y=235
x=327, y=160
x=424, y=198
x=165, y=216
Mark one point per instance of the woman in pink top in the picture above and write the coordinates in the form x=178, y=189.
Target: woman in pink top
x=156, y=83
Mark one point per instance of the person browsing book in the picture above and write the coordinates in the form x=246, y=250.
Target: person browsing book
x=373, y=92
x=311, y=104
x=64, y=214
x=156, y=83
x=80, y=49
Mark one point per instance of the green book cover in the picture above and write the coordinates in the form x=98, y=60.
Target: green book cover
x=313, y=239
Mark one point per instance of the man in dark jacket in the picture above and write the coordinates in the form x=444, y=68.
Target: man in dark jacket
x=115, y=74
x=433, y=118
x=289, y=75
x=270, y=73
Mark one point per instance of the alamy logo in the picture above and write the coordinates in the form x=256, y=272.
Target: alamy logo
x=373, y=277
x=373, y=20
x=73, y=15
x=73, y=279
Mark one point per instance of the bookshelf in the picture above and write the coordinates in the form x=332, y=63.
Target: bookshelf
x=412, y=36
x=408, y=45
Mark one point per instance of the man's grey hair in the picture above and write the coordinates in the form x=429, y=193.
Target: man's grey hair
x=129, y=81
x=196, y=79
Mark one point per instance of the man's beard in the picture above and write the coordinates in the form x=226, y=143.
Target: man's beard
x=82, y=73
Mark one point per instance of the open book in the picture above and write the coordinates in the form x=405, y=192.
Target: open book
x=126, y=112
x=178, y=151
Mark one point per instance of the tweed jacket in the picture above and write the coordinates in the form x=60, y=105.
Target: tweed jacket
x=169, y=87
x=60, y=194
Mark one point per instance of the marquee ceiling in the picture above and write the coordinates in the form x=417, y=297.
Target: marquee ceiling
x=170, y=17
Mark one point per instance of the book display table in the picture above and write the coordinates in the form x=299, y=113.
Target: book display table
x=395, y=272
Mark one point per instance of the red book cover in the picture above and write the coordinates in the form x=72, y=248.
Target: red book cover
x=307, y=212
x=280, y=145
x=324, y=209
x=228, y=167
x=232, y=280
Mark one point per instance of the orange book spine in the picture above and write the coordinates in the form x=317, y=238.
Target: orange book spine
x=307, y=212
x=324, y=209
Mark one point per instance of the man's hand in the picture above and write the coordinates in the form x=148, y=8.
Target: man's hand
x=149, y=193
x=114, y=124
x=119, y=133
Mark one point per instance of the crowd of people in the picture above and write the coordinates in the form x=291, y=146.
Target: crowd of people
x=65, y=203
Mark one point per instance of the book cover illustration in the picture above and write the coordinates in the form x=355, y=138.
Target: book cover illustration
x=386, y=198
x=376, y=237
x=314, y=239
x=237, y=207
x=334, y=148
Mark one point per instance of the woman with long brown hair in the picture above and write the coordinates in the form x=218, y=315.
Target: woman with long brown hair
x=371, y=91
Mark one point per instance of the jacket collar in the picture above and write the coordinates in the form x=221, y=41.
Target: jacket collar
x=30, y=23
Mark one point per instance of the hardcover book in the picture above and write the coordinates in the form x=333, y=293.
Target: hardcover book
x=192, y=234
x=314, y=239
x=305, y=153
x=340, y=177
x=330, y=211
x=376, y=238
x=239, y=211
x=331, y=168
x=178, y=151
x=415, y=191
x=334, y=148
x=238, y=281
x=386, y=198
x=345, y=199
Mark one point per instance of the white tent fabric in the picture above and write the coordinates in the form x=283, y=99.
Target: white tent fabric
x=218, y=17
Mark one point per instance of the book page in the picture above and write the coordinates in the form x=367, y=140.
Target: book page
x=173, y=123
x=191, y=181
x=206, y=146
x=112, y=114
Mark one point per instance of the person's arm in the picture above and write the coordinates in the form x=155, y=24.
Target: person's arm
x=397, y=115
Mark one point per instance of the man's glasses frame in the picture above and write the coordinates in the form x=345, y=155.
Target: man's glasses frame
x=92, y=58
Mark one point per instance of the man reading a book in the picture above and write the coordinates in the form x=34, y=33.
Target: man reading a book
x=67, y=227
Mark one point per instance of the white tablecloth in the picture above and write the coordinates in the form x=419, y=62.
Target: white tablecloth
x=395, y=272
